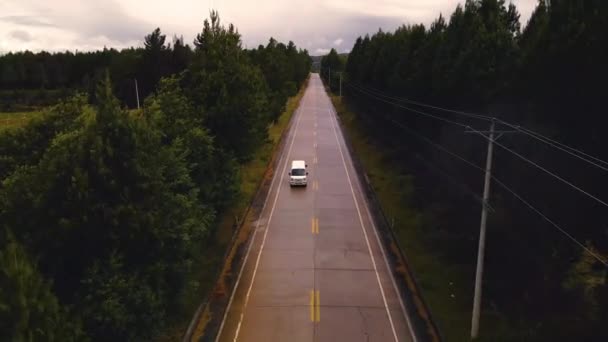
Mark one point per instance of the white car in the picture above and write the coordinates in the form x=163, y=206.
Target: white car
x=298, y=173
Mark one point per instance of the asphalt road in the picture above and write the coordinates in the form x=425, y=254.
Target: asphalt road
x=315, y=270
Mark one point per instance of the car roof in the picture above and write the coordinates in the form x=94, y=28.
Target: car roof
x=298, y=164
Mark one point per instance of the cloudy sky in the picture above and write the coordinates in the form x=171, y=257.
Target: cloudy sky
x=316, y=25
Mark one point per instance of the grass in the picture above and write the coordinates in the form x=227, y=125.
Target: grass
x=16, y=119
x=446, y=287
x=253, y=171
x=212, y=258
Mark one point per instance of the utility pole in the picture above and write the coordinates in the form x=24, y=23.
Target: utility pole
x=340, y=85
x=482, y=236
x=137, y=93
x=491, y=137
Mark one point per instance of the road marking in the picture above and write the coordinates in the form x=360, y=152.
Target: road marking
x=314, y=225
x=315, y=306
x=369, y=248
x=318, y=307
x=257, y=262
x=312, y=305
x=375, y=229
x=238, y=279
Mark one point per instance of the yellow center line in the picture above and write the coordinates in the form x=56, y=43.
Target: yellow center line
x=315, y=225
x=312, y=305
x=315, y=306
x=318, y=307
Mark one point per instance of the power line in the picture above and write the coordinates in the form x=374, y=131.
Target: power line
x=465, y=188
x=554, y=175
x=555, y=225
x=401, y=99
x=504, y=186
x=562, y=147
x=407, y=108
x=553, y=143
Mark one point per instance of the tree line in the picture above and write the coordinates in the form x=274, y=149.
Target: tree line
x=104, y=210
x=549, y=76
x=30, y=79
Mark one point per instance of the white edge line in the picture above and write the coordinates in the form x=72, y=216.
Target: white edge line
x=401, y=303
x=371, y=253
x=238, y=328
x=238, y=279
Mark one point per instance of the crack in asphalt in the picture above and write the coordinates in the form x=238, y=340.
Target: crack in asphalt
x=364, y=323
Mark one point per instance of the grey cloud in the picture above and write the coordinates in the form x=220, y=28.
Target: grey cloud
x=318, y=34
x=348, y=28
x=21, y=35
x=107, y=18
x=27, y=20
x=104, y=18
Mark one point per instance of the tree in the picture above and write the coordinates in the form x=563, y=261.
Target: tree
x=549, y=77
x=232, y=91
x=115, y=203
x=28, y=309
x=213, y=171
x=331, y=64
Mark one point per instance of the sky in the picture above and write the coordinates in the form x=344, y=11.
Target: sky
x=316, y=25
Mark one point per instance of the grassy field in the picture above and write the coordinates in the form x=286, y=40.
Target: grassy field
x=445, y=287
x=212, y=258
x=16, y=119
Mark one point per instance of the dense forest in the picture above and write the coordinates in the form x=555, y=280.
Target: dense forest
x=104, y=210
x=548, y=76
x=29, y=80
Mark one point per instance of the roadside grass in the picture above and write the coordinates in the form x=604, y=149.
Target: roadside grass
x=16, y=119
x=446, y=287
x=253, y=171
x=211, y=258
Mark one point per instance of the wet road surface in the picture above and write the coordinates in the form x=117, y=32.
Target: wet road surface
x=315, y=270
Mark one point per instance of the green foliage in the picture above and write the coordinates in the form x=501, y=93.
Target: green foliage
x=117, y=205
x=284, y=68
x=231, y=89
x=25, y=145
x=549, y=77
x=589, y=276
x=40, y=79
x=331, y=66
x=213, y=170
x=110, y=190
x=28, y=309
